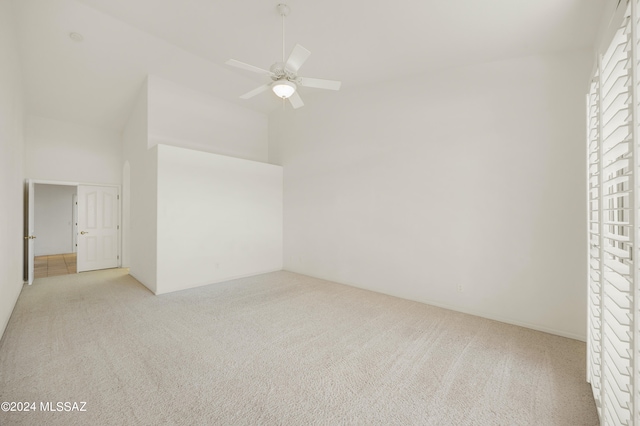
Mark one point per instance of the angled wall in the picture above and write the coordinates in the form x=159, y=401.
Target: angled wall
x=141, y=212
x=194, y=216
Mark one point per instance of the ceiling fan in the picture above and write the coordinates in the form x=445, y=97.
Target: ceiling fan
x=284, y=75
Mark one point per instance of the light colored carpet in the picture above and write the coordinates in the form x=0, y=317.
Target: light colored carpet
x=279, y=348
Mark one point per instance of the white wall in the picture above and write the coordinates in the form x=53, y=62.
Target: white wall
x=186, y=118
x=167, y=188
x=11, y=166
x=141, y=213
x=470, y=179
x=218, y=218
x=610, y=20
x=53, y=219
x=62, y=151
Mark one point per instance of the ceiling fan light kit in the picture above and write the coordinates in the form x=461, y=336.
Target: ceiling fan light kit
x=283, y=88
x=284, y=75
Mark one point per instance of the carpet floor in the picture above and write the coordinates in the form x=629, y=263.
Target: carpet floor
x=276, y=349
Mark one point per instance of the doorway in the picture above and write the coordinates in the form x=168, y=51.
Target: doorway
x=54, y=214
x=55, y=226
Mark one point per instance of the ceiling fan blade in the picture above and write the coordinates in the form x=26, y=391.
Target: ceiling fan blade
x=319, y=83
x=255, y=91
x=296, y=100
x=244, y=66
x=298, y=56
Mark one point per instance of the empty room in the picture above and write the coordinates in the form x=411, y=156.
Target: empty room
x=239, y=212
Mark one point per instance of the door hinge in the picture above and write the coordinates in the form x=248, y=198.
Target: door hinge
x=118, y=196
x=118, y=257
x=118, y=226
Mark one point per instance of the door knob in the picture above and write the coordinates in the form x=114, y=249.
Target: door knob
x=83, y=232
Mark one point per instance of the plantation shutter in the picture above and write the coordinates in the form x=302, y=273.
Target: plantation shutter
x=612, y=351
x=594, y=363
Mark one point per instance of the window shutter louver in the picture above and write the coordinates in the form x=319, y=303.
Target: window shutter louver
x=594, y=299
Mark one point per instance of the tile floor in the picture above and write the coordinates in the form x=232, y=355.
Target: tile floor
x=57, y=264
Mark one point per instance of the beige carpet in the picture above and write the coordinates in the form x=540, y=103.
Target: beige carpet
x=281, y=349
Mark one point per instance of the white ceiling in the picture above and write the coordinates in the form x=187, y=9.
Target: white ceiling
x=359, y=42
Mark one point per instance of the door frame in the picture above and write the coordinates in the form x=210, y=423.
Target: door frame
x=74, y=223
x=28, y=266
x=28, y=222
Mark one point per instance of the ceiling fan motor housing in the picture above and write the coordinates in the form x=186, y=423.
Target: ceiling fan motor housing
x=279, y=71
x=283, y=9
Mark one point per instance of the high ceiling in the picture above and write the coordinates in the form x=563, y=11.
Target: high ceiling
x=95, y=81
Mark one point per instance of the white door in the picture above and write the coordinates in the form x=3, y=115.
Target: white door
x=29, y=220
x=98, y=225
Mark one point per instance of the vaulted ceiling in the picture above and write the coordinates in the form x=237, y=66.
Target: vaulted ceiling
x=95, y=81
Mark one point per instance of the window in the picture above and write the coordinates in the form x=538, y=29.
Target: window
x=613, y=192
